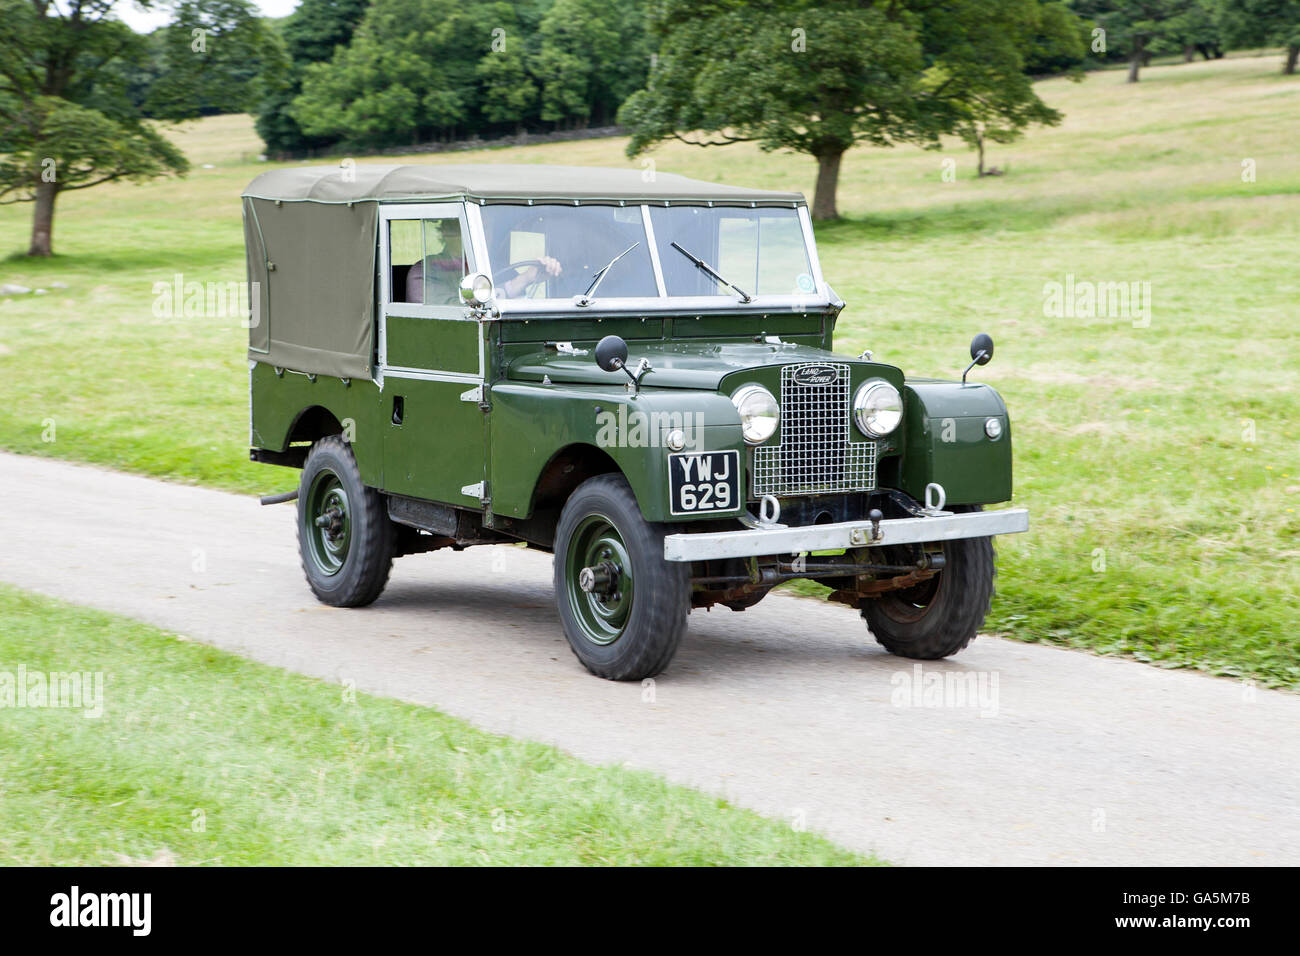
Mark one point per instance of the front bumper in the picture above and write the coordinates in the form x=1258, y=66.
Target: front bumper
x=712, y=545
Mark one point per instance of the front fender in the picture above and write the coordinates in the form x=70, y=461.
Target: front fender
x=944, y=442
x=531, y=423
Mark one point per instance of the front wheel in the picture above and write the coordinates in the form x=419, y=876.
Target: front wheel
x=345, y=536
x=622, y=605
x=938, y=617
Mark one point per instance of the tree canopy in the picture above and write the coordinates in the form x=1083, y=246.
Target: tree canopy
x=66, y=121
x=1264, y=21
x=421, y=70
x=818, y=76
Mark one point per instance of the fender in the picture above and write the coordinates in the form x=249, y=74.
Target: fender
x=944, y=441
x=531, y=423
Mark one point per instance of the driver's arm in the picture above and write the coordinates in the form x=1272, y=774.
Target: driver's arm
x=520, y=283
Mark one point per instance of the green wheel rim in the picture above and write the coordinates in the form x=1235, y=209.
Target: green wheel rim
x=604, y=611
x=327, y=523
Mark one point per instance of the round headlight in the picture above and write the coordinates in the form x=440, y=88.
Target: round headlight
x=993, y=428
x=759, y=412
x=877, y=408
x=476, y=289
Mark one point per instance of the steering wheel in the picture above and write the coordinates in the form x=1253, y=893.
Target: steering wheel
x=505, y=274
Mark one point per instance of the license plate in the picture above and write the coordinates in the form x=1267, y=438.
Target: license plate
x=701, y=482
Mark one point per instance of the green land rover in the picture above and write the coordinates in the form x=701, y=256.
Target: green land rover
x=633, y=372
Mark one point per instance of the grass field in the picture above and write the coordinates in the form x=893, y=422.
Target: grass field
x=1161, y=462
x=185, y=766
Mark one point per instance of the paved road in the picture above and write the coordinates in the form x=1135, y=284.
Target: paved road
x=787, y=708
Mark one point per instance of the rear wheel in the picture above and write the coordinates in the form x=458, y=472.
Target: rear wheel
x=345, y=538
x=622, y=605
x=939, y=617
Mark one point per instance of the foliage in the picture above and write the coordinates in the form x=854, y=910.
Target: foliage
x=1259, y=22
x=82, y=147
x=214, y=54
x=1139, y=27
x=418, y=71
x=593, y=55
x=310, y=34
x=820, y=77
x=67, y=121
x=407, y=72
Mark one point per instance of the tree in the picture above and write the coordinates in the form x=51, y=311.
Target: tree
x=311, y=34
x=66, y=121
x=1139, y=25
x=214, y=54
x=1265, y=21
x=409, y=72
x=594, y=54
x=1196, y=28
x=819, y=77
x=999, y=107
x=509, y=88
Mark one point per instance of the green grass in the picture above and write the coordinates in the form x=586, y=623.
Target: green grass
x=296, y=774
x=1173, y=448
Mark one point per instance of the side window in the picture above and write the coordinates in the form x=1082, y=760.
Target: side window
x=427, y=258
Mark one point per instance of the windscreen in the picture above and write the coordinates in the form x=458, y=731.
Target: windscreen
x=760, y=251
x=555, y=252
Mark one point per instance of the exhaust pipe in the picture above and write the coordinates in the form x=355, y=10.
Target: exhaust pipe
x=280, y=498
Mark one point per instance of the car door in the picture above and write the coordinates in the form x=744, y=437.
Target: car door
x=431, y=356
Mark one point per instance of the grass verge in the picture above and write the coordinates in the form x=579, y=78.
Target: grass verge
x=201, y=757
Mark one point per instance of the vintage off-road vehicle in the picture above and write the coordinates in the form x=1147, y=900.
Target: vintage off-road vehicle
x=634, y=375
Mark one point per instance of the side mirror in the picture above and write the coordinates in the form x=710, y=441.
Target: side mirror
x=981, y=352
x=611, y=353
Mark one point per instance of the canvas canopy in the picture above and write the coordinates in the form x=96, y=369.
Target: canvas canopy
x=497, y=183
x=310, y=236
x=314, y=269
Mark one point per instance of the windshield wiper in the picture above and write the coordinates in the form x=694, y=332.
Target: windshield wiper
x=600, y=276
x=708, y=269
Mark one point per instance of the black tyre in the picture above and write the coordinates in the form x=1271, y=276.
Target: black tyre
x=622, y=605
x=938, y=617
x=345, y=537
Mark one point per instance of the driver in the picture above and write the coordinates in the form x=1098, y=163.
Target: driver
x=435, y=280
x=526, y=278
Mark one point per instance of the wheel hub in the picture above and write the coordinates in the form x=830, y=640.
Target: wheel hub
x=328, y=521
x=600, y=579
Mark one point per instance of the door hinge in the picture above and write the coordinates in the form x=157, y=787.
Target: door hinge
x=476, y=394
x=477, y=490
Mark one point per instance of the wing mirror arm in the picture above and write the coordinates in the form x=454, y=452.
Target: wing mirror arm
x=981, y=353
x=611, y=355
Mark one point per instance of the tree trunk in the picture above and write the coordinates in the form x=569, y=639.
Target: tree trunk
x=43, y=220
x=1189, y=52
x=979, y=143
x=1292, y=55
x=828, y=180
x=1135, y=61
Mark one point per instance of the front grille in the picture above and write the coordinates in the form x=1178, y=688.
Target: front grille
x=815, y=455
